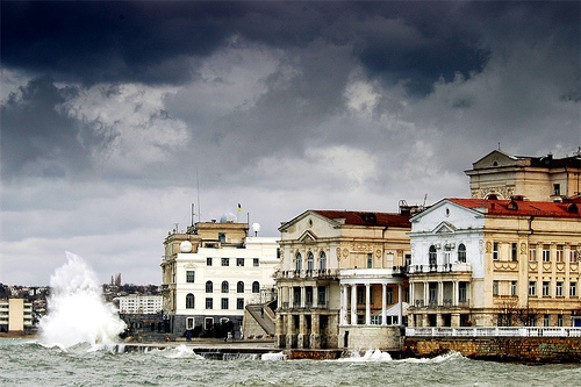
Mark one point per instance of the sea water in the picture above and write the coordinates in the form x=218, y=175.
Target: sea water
x=27, y=363
x=76, y=348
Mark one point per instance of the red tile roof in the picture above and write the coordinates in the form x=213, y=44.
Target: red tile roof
x=361, y=218
x=523, y=208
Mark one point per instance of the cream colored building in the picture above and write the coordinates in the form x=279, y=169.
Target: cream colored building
x=536, y=178
x=211, y=272
x=341, y=281
x=15, y=315
x=478, y=262
x=139, y=304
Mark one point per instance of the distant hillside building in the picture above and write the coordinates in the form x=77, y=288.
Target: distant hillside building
x=341, y=280
x=15, y=315
x=502, y=176
x=486, y=262
x=211, y=272
x=139, y=304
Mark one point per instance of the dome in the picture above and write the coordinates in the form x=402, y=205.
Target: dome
x=186, y=247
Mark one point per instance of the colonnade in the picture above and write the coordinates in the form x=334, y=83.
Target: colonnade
x=348, y=311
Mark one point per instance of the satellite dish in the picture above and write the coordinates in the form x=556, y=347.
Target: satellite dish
x=186, y=247
x=255, y=228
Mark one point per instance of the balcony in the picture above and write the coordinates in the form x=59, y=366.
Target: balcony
x=445, y=304
x=457, y=267
x=306, y=274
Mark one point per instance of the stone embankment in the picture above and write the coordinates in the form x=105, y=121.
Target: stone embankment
x=529, y=350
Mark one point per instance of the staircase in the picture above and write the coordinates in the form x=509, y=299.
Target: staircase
x=263, y=315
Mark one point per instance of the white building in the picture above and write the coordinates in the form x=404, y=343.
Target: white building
x=139, y=304
x=211, y=272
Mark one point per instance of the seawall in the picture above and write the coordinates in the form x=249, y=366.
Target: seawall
x=530, y=350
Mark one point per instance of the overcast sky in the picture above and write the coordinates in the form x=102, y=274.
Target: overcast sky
x=112, y=113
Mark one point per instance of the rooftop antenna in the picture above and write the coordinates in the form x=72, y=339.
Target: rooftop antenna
x=499, y=146
x=193, y=213
x=198, y=184
x=425, y=198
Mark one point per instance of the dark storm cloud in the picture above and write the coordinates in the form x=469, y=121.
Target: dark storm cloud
x=33, y=131
x=150, y=41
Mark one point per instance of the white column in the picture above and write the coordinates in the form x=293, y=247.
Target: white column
x=342, y=305
x=412, y=294
x=383, y=306
x=315, y=296
x=291, y=296
x=426, y=293
x=354, y=304
x=400, y=304
x=303, y=296
x=367, y=304
x=455, y=293
x=440, y=293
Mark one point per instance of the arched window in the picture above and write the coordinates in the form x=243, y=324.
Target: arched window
x=255, y=287
x=462, y=253
x=433, y=255
x=310, y=261
x=225, y=287
x=240, y=287
x=298, y=262
x=322, y=261
x=190, y=301
x=209, y=287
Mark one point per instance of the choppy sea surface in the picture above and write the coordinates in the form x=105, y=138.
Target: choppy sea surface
x=27, y=363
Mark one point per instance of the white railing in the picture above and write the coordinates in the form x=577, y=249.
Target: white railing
x=495, y=332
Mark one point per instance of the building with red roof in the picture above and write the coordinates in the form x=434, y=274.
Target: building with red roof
x=496, y=262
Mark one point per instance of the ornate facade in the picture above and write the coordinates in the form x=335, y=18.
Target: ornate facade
x=341, y=280
x=503, y=176
x=495, y=262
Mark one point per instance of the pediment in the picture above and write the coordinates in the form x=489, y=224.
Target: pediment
x=495, y=159
x=444, y=228
x=308, y=237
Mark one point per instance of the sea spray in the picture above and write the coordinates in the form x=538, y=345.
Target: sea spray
x=77, y=310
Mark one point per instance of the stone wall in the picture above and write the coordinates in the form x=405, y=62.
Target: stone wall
x=519, y=349
x=385, y=338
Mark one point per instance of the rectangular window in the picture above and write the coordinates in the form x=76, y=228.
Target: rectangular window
x=532, y=288
x=556, y=189
x=239, y=261
x=190, y=276
x=240, y=303
x=389, y=296
x=221, y=237
x=560, y=253
x=495, y=251
x=255, y=262
x=224, y=303
x=513, y=288
x=225, y=261
x=322, y=295
x=462, y=291
x=573, y=289
x=559, y=320
x=209, y=261
x=547, y=320
x=309, y=295
x=495, y=288
x=513, y=252
x=533, y=254
x=360, y=295
x=209, y=303
x=559, y=289
x=369, y=261
x=573, y=254
x=408, y=259
x=546, y=253
x=546, y=288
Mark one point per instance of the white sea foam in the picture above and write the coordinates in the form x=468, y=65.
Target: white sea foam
x=369, y=355
x=77, y=311
x=182, y=352
x=273, y=356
